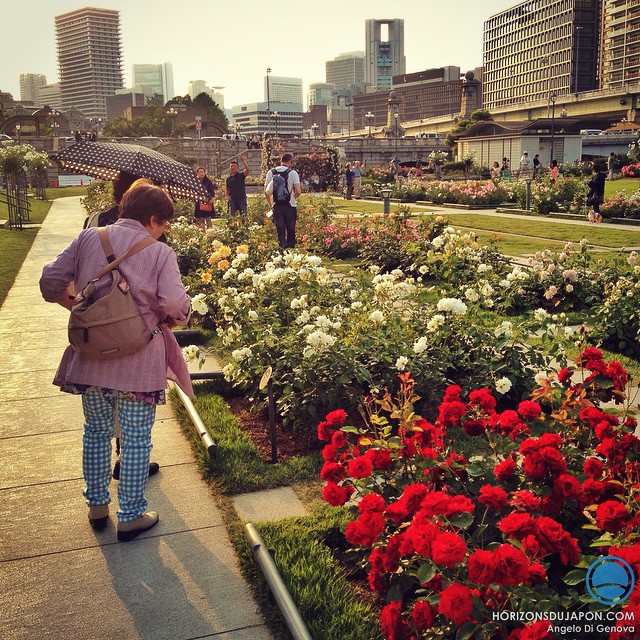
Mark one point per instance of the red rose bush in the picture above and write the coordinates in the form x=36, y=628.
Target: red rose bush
x=480, y=512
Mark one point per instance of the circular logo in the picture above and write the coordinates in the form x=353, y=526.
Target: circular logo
x=610, y=580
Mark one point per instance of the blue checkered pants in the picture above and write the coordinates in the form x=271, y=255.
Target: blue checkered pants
x=136, y=420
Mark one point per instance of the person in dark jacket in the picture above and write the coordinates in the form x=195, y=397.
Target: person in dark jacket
x=204, y=210
x=595, y=197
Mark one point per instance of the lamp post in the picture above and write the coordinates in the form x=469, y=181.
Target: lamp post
x=386, y=195
x=275, y=118
x=395, y=132
x=547, y=60
x=369, y=118
x=172, y=114
x=18, y=132
x=268, y=103
x=552, y=98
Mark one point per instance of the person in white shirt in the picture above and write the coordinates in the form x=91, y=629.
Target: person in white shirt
x=525, y=165
x=285, y=214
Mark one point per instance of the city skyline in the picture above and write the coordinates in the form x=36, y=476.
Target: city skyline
x=293, y=44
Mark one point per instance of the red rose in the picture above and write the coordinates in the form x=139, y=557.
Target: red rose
x=451, y=412
x=448, y=549
x=536, y=631
x=593, y=467
x=423, y=615
x=339, y=439
x=452, y=392
x=333, y=472
x=484, y=398
x=324, y=432
x=360, y=467
x=460, y=504
x=336, y=495
x=611, y=516
x=524, y=500
x=330, y=452
x=408, y=503
x=365, y=530
x=495, y=497
x=564, y=375
x=566, y=486
x=518, y=525
x=529, y=410
x=482, y=567
x=371, y=502
x=456, y=603
x=512, y=566
x=505, y=470
x=435, y=503
x=419, y=539
x=336, y=418
x=393, y=626
x=590, y=353
x=380, y=458
x=537, y=573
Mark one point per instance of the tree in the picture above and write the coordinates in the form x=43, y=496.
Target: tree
x=479, y=115
x=214, y=113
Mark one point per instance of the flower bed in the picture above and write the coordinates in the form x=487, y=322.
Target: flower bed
x=459, y=531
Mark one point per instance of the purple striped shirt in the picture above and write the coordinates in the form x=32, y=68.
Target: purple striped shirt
x=154, y=279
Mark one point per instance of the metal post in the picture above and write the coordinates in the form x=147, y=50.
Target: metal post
x=578, y=30
x=553, y=97
x=272, y=422
x=268, y=103
x=287, y=606
x=527, y=204
x=386, y=197
x=204, y=434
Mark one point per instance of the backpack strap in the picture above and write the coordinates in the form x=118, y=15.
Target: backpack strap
x=108, y=251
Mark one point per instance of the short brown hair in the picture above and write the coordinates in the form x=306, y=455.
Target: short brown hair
x=145, y=201
x=286, y=157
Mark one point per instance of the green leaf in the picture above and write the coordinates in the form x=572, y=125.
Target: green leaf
x=425, y=572
x=475, y=470
x=466, y=631
x=349, y=429
x=462, y=520
x=575, y=577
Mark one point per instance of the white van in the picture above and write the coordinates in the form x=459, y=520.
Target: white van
x=590, y=132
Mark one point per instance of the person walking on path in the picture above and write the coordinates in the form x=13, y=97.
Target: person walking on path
x=137, y=382
x=612, y=165
x=525, y=165
x=595, y=197
x=348, y=180
x=357, y=180
x=282, y=188
x=235, y=188
x=204, y=210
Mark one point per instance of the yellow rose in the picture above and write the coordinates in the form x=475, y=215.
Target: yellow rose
x=242, y=248
x=206, y=276
x=223, y=265
x=224, y=252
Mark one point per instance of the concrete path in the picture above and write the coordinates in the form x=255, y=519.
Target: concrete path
x=58, y=578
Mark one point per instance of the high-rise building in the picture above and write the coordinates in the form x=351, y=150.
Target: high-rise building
x=279, y=118
x=51, y=96
x=30, y=85
x=537, y=48
x=346, y=69
x=620, y=61
x=384, y=54
x=89, y=58
x=154, y=79
x=196, y=87
x=279, y=89
x=320, y=93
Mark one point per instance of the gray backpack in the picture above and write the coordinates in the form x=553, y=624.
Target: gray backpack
x=110, y=326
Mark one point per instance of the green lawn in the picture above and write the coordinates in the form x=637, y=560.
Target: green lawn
x=14, y=245
x=628, y=185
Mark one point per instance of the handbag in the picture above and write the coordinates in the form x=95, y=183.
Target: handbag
x=205, y=206
x=110, y=326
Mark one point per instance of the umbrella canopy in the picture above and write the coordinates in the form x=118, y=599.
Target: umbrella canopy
x=106, y=159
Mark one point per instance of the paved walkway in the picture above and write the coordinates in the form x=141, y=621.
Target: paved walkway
x=59, y=579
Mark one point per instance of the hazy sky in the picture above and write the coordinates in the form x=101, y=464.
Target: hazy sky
x=231, y=44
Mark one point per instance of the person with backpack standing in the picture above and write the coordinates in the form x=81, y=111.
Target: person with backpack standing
x=133, y=382
x=612, y=165
x=282, y=188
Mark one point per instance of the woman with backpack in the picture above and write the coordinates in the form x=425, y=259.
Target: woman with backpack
x=135, y=382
